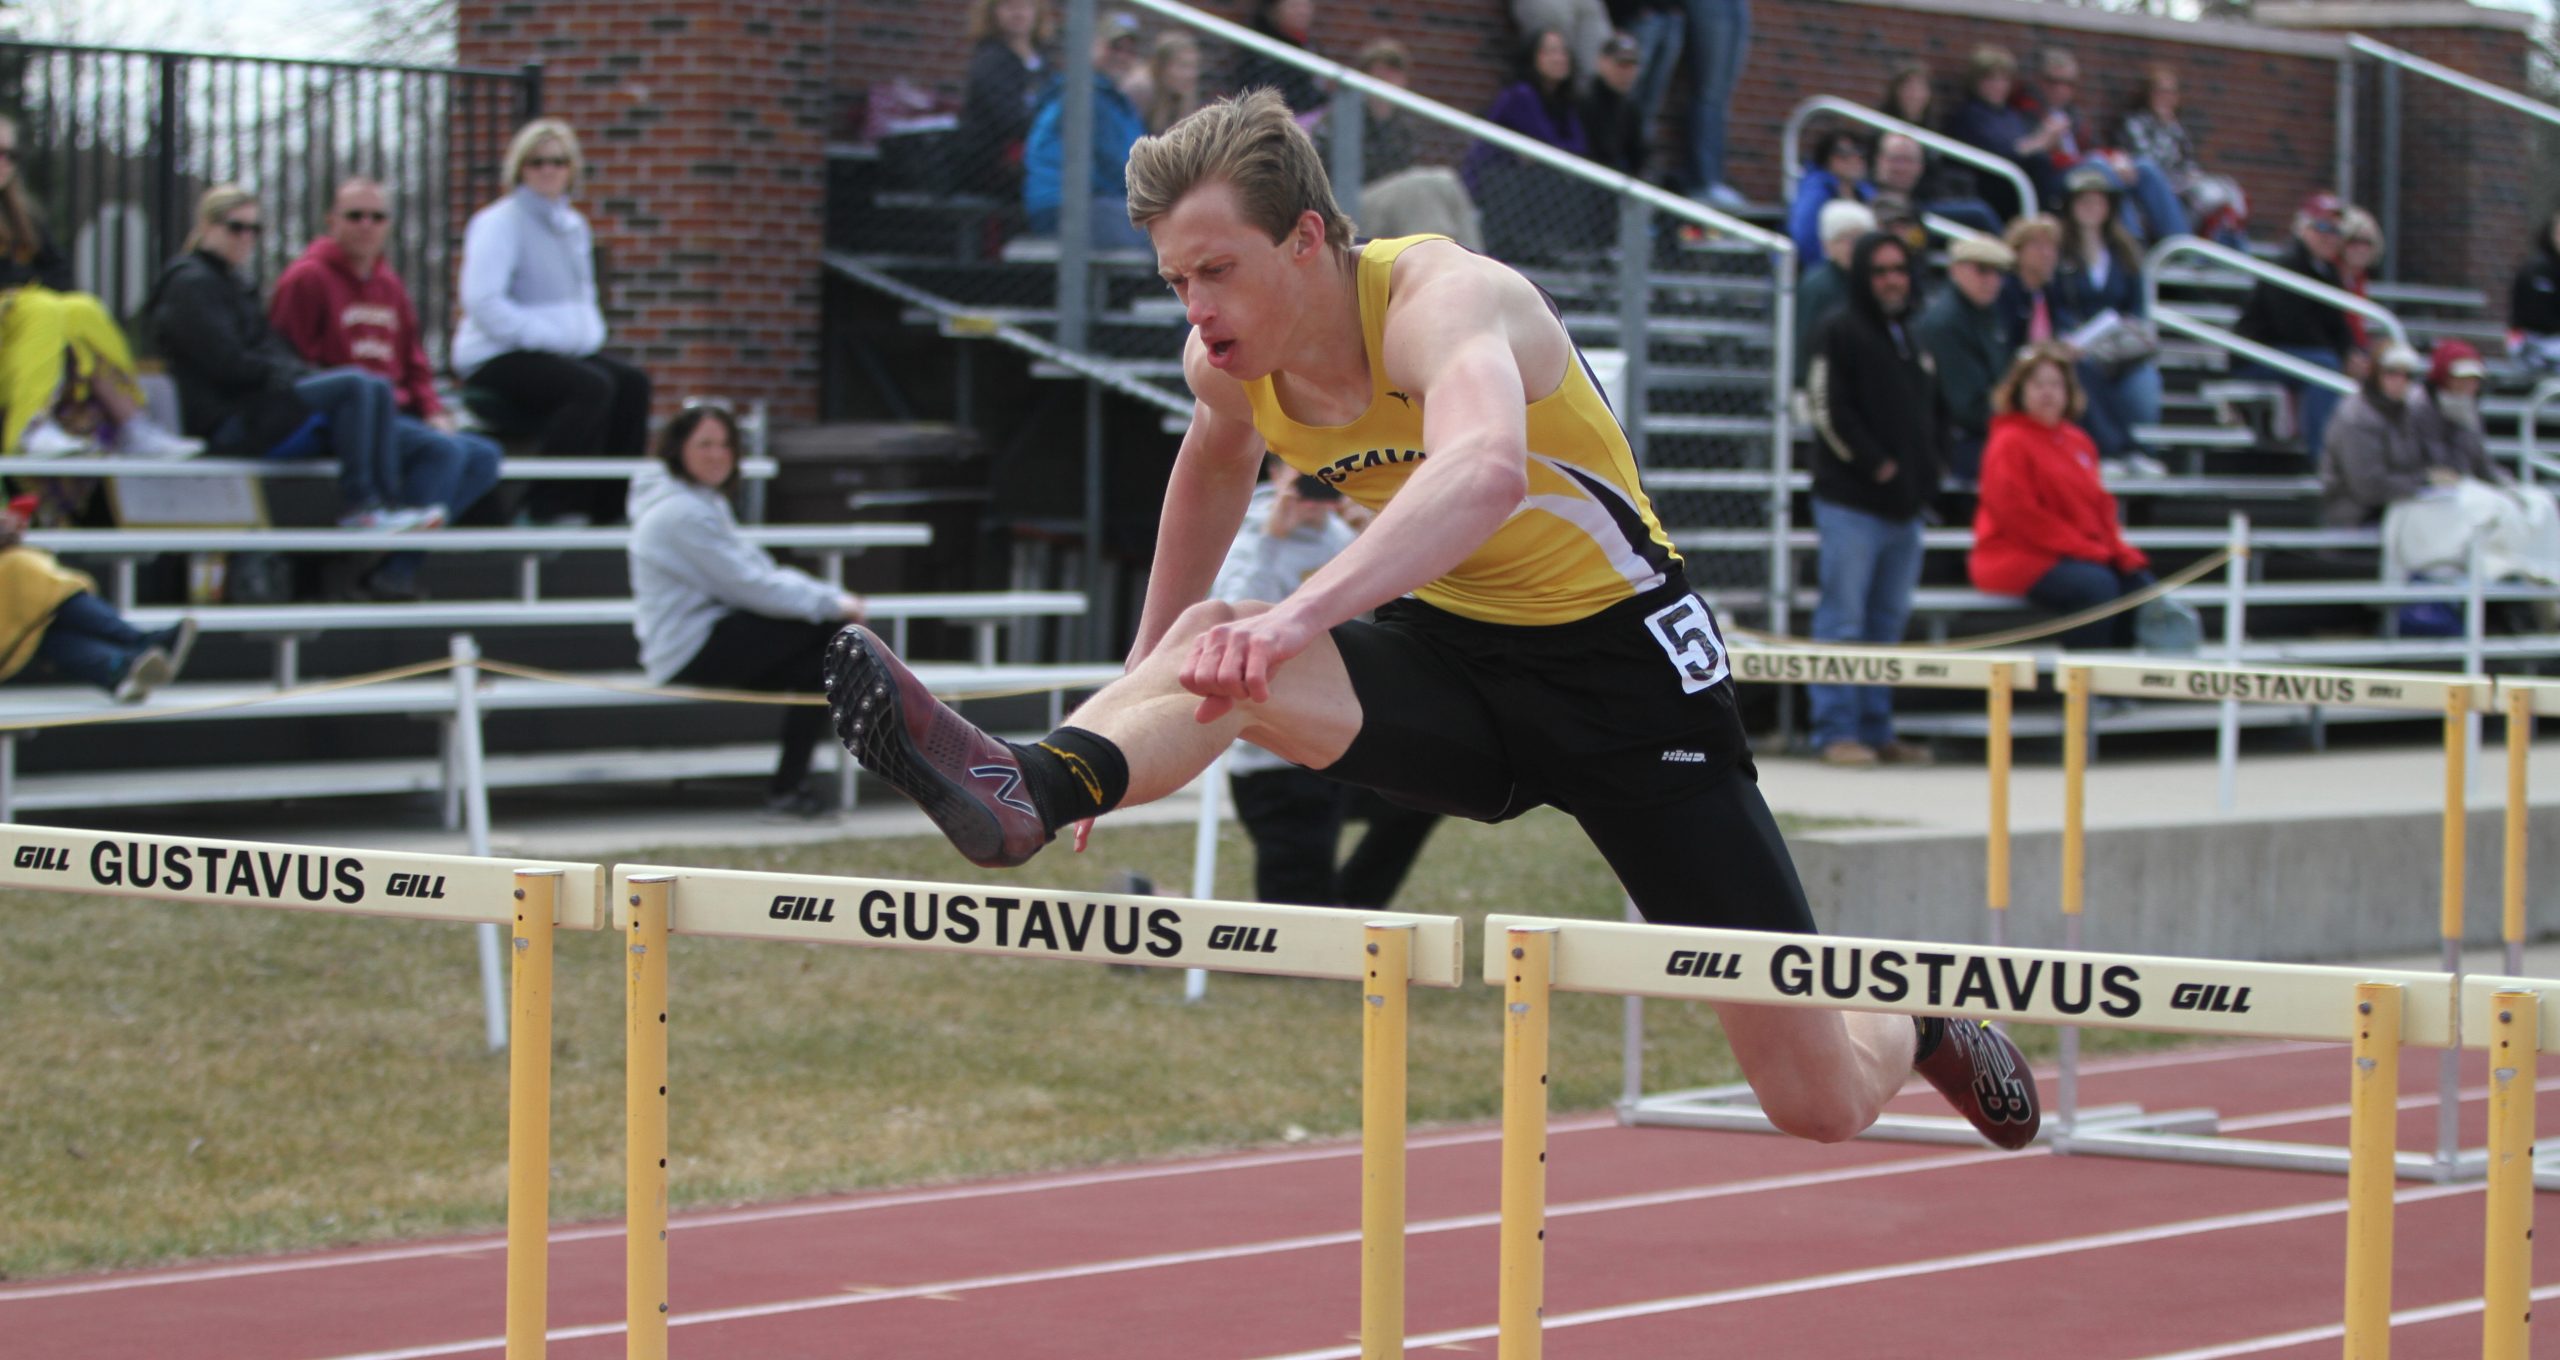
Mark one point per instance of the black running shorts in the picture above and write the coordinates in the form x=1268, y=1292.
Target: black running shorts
x=1624, y=719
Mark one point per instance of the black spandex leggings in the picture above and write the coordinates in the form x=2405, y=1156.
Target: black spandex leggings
x=590, y=406
x=779, y=656
x=1710, y=858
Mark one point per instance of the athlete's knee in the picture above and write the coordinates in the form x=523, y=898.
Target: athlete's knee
x=1208, y=614
x=1817, y=1116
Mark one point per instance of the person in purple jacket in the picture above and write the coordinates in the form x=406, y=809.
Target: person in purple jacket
x=1530, y=210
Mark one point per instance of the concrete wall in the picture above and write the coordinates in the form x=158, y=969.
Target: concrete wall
x=2286, y=891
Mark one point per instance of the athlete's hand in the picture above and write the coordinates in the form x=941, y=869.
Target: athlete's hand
x=1233, y=661
x=1084, y=832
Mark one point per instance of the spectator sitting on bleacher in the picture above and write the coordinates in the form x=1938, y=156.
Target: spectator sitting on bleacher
x=1938, y=184
x=1117, y=126
x=2215, y=204
x=1611, y=119
x=1283, y=21
x=56, y=623
x=1837, y=169
x=1398, y=197
x=1530, y=211
x=1584, y=24
x=2359, y=250
x=63, y=360
x=1961, y=328
x=244, y=390
x=2154, y=204
x=1007, y=72
x=2533, y=302
x=2518, y=525
x=1172, y=83
x=1901, y=168
x=2044, y=526
x=1824, y=290
x=2371, y=456
x=2304, y=327
x=342, y=305
x=2101, y=273
x=715, y=611
x=532, y=330
x=2031, y=309
x=1990, y=120
x=1539, y=105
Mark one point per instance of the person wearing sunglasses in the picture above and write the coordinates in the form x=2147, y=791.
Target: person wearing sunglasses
x=66, y=372
x=532, y=332
x=245, y=391
x=342, y=305
x=2302, y=326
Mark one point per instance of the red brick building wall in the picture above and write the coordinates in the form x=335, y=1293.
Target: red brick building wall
x=704, y=130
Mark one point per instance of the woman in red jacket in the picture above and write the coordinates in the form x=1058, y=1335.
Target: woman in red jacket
x=2044, y=526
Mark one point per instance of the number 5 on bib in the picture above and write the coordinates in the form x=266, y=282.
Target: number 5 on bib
x=1687, y=632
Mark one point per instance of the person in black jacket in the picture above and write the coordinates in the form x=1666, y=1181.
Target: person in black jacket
x=1611, y=118
x=1288, y=21
x=2533, y=302
x=245, y=391
x=1880, y=423
x=1007, y=75
x=2302, y=326
x=64, y=364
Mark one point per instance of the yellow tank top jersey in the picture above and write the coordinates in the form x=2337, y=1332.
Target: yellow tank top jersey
x=1585, y=538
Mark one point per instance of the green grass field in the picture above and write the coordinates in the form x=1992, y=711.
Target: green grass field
x=183, y=1081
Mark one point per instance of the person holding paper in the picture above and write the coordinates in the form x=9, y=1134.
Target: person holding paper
x=2100, y=290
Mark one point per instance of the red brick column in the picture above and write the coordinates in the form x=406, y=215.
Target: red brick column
x=704, y=130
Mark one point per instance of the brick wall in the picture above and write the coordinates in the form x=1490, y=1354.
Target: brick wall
x=704, y=127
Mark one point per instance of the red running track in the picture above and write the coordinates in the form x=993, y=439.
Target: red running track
x=1660, y=1242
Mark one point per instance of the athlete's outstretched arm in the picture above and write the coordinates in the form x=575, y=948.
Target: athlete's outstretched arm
x=1204, y=500
x=1459, y=338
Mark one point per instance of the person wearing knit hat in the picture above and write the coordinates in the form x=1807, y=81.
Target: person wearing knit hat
x=2446, y=410
x=1962, y=329
x=1825, y=288
x=2410, y=455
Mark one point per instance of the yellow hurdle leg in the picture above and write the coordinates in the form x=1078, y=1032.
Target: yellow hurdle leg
x=2372, y=1170
x=2519, y=753
x=645, y=1121
x=1524, y=1141
x=1382, y=1119
x=537, y=903
x=2515, y=1022
x=1996, y=873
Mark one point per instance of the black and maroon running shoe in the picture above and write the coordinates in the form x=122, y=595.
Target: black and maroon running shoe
x=969, y=783
x=1985, y=1077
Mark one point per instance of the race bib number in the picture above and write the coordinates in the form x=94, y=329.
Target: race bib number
x=1687, y=632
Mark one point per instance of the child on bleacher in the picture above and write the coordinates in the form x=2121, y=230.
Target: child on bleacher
x=716, y=611
x=59, y=627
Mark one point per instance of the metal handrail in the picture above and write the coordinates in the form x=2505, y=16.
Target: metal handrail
x=1790, y=156
x=2171, y=319
x=1432, y=110
x=2545, y=394
x=2264, y=272
x=2470, y=85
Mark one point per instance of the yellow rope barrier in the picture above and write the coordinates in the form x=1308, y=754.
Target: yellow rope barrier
x=2184, y=576
x=115, y=715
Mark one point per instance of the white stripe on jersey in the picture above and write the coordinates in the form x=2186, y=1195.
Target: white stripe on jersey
x=1596, y=523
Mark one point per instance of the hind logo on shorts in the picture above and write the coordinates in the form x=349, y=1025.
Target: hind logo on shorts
x=1008, y=779
x=1687, y=632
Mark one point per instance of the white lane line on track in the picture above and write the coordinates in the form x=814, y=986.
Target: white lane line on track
x=2317, y=1113
x=773, y=1213
x=955, y=1193
x=2160, y=1232
x=1125, y=1265
x=2334, y=1331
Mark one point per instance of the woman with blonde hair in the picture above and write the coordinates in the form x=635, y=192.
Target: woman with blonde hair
x=63, y=361
x=1173, y=80
x=532, y=333
x=2045, y=526
x=1008, y=69
x=245, y=391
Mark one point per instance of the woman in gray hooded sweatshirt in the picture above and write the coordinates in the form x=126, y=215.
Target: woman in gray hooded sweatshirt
x=716, y=611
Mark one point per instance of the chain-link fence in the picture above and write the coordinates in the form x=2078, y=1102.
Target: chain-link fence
x=1684, y=305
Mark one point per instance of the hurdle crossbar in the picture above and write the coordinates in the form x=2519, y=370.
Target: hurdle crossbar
x=2377, y=1012
x=531, y=898
x=2192, y=1135
x=1387, y=952
x=2000, y=676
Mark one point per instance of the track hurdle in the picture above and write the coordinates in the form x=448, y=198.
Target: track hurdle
x=2521, y=701
x=531, y=897
x=1999, y=675
x=2376, y=1012
x=2190, y=1135
x=1384, y=951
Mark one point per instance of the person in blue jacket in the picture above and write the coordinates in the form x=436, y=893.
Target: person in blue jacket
x=2102, y=272
x=1837, y=169
x=1117, y=126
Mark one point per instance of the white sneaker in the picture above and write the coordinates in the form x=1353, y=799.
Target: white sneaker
x=402, y=519
x=45, y=439
x=2144, y=465
x=148, y=672
x=1726, y=197
x=142, y=438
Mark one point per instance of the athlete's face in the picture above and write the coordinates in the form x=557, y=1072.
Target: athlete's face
x=1238, y=289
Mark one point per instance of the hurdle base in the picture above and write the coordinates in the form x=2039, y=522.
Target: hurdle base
x=2546, y=1164
x=1734, y=1109
x=2212, y=1149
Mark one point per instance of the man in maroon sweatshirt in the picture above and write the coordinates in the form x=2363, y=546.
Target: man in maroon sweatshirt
x=342, y=305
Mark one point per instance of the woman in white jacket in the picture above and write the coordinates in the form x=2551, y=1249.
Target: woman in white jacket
x=532, y=332
x=716, y=611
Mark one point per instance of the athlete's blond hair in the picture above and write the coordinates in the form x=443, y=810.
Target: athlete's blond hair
x=1251, y=144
